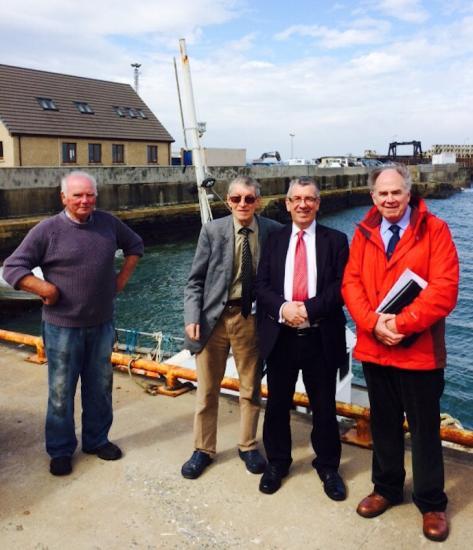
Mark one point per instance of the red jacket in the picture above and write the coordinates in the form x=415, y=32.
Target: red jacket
x=427, y=249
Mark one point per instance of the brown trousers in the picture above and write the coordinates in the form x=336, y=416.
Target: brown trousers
x=232, y=330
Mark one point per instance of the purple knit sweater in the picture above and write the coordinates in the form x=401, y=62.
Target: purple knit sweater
x=79, y=260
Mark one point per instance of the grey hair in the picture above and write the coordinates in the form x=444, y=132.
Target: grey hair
x=401, y=169
x=304, y=181
x=246, y=181
x=78, y=174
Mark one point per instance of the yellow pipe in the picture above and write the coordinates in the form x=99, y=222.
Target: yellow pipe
x=172, y=372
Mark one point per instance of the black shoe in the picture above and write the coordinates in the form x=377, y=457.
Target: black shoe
x=333, y=485
x=60, y=466
x=196, y=464
x=253, y=460
x=271, y=479
x=108, y=451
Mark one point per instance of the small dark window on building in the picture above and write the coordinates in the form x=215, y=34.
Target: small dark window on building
x=152, y=154
x=47, y=103
x=131, y=112
x=141, y=113
x=118, y=153
x=69, y=153
x=84, y=108
x=95, y=152
x=119, y=111
x=1, y=149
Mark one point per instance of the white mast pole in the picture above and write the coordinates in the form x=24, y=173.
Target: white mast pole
x=193, y=133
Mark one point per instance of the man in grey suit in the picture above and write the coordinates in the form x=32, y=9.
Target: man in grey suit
x=219, y=313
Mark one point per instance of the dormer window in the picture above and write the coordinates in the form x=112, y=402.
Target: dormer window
x=47, y=103
x=141, y=113
x=84, y=108
x=131, y=112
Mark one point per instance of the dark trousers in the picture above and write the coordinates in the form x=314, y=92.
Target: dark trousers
x=291, y=354
x=392, y=393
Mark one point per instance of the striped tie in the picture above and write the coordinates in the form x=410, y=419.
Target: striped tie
x=246, y=274
x=299, y=289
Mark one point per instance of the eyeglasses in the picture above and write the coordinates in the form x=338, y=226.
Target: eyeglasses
x=298, y=200
x=248, y=199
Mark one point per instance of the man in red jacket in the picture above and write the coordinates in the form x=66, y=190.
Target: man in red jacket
x=403, y=355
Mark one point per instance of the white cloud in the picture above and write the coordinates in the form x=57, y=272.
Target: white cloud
x=410, y=11
x=243, y=44
x=107, y=17
x=361, y=32
x=377, y=63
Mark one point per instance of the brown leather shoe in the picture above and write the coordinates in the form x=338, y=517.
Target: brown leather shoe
x=373, y=505
x=435, y=526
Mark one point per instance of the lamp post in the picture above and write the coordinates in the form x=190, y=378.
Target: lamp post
x=292, y=135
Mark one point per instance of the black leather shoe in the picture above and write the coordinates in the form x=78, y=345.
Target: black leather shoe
x=107, y=451
x=196, y=464
x=333, y=485
x=253, y=460
x=271, y=479
x=60, y=466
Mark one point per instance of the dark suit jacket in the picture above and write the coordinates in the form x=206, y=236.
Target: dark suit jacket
x=326, y=308
x=206, y=292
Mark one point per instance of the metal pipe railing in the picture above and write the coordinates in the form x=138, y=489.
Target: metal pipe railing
x=360, y=435
x=27, y=339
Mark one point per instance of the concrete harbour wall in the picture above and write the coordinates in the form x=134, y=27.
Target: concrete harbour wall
x=35, y=191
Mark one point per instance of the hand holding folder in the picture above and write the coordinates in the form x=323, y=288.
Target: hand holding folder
x=401, y=294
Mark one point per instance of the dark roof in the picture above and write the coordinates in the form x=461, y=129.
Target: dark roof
x=22, y=114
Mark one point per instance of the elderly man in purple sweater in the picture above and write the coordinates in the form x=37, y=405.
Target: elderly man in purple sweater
x=76, y=250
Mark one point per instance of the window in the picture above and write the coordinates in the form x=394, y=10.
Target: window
x=141, y=113
x=95, y=152
x=131, y=112
x=84, y=108
x=1, y=149
x=120, y=112
x=47, y=103
x=69, y=153
x=152, y=154
x=118, y=153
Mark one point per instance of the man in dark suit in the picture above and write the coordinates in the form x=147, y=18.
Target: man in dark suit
x=219, y=313
x=301, y=326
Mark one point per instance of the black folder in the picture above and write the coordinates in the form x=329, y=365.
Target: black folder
x=402, y=299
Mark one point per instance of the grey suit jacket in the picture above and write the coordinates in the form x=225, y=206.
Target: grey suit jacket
x=206, y=292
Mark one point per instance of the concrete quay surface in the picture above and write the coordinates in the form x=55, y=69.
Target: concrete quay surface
x=142, y=502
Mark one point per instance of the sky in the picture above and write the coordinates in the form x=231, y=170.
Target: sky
x=342, y=76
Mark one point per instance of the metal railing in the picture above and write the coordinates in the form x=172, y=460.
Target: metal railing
x=359, y=435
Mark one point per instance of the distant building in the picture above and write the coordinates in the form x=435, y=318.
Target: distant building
x=444, y=158
x=460, y=151
x=51, y=119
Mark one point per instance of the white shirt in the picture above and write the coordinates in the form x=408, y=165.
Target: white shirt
x=403, y=223
x=309, y=240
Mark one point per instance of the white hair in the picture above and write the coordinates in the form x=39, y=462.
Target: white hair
x=78, y=174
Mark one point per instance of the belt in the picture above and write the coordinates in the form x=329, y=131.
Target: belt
x=234, y=303
x=302, y=331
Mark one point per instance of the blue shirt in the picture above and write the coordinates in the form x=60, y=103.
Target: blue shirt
x=403, y=223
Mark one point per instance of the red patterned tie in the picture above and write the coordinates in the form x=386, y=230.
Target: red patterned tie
x=299, y=289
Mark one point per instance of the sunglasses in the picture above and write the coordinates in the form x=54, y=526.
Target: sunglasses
x=236, y=199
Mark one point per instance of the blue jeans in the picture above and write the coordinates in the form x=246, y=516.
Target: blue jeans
x=74, y=352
